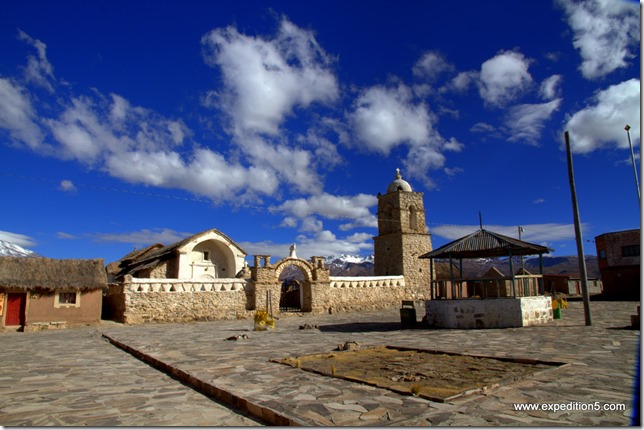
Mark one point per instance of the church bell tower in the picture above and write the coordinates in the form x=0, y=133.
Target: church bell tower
x=402, y=235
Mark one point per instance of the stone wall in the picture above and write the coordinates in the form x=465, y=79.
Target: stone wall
x=489, y=313
x=349, y=294
x=182, y=300
x=138, y=300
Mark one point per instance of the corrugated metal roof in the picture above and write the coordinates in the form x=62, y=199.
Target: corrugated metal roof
x=484, y=243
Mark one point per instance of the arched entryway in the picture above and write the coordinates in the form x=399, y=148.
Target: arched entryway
x=294, y=276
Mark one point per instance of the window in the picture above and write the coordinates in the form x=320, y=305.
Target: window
x=602, y=254
x=67, y=299
x=206, y=255
x=630, y=251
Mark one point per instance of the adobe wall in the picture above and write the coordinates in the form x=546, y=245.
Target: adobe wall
x=42, y=314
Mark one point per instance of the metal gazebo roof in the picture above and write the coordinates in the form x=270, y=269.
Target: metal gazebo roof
x=484, y=243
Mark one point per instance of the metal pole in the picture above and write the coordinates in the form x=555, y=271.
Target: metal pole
x=514, y=289
x=637, y=182
x=580, y=248
x=522, y=262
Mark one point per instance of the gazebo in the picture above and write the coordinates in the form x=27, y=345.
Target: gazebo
x=486, y=313
x=486, y=244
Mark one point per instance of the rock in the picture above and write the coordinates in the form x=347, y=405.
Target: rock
x=309, y=327
x=241, y=336
x=348, y=346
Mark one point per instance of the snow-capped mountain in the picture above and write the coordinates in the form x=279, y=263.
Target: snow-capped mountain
x=8, y=249
x=350, y=265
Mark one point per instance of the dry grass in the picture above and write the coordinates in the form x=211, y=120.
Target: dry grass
x=436, y=376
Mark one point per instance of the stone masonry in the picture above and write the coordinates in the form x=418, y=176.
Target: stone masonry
x=402, y=236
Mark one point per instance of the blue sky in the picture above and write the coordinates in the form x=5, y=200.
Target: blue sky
x=129, y=123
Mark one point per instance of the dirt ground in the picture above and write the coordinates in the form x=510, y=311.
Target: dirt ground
x=435, y=376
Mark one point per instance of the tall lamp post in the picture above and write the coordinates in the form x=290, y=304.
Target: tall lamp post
x=637, y=182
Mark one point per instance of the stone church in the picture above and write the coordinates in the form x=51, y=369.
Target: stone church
x=206, y=277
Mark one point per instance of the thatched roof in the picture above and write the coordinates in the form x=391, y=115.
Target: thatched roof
x=484, y=243
x=115, y=267
x=49, y=273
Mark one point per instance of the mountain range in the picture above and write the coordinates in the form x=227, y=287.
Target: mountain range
x=348, y=265
x=352, y=265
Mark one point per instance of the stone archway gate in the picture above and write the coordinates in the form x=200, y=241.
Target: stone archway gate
x=324, y=293
x=265, y=276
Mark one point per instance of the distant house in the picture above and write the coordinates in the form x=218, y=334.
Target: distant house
x=40, y=293
x=570, y=284
x=618, y=257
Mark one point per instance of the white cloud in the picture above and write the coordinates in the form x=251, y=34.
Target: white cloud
x=422, y=158
x=453, y=145
x=606, y=33
x=323, y=243
x=504, y=77
x=17, y=115
x=601, y=124
x=384, y=118
x=525, y=122
x=38, y=70
x=431, y=65
x=329, y=206
x=550, y=87
x=144, y=237
x=264, y=80
x=17, y=238
x=462, y=82
x=65, y=236
x=453, y=171
x=291, y=165
x=482, y=127
x=67, y=185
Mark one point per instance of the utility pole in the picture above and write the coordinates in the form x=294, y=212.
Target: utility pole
x=580, y=247
x=637, y=182
x=522, y=267
x=523, y=280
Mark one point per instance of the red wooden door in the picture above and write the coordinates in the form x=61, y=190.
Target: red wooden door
x=16, y=309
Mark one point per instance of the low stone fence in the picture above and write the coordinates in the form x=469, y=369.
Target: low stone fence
x=139, y=300
x=350, y=294
x=179, y=300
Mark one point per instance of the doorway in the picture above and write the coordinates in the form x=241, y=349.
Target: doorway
x=16, y=304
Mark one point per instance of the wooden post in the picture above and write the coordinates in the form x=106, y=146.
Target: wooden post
x=580, y=247
x=514, y=289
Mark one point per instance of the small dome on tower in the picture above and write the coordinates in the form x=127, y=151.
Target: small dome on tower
x=399, y=184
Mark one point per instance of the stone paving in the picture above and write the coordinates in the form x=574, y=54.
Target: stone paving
x=74, y=377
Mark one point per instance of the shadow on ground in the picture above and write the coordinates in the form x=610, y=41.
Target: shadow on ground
x=371, y=327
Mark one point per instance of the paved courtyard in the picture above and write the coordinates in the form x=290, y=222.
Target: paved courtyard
x=190, y=375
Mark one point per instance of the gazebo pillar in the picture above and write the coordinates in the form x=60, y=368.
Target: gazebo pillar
x=514, y=290
x=541, y=286
x=451, y=276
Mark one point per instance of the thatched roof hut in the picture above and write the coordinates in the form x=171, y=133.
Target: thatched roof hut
x=49, y=274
